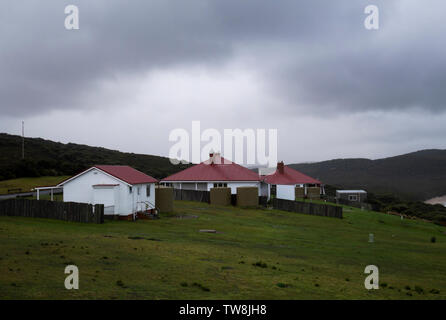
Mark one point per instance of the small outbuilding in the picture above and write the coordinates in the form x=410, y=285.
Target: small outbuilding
x=353, y=196
x=123, y=190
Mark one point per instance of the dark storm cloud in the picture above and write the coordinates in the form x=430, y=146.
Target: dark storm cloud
x=315, y=54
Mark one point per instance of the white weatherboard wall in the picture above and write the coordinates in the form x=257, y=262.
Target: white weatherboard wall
x=81, y=189
x=235, y=185
x=285, y=192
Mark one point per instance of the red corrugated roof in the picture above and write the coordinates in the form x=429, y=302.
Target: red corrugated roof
x=289, y=176
x=220, y=170
x=127, y=174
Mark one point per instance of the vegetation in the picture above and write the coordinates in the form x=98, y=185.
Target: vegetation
x=26, y=184
x=48, y=158
x=255, y=254
x=414, y=176
x=390, y=203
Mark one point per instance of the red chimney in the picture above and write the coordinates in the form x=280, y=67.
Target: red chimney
x=280, y=166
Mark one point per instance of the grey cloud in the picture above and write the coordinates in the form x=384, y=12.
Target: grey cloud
x=325, y=60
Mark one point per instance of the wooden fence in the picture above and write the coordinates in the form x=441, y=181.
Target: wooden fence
x=68, y=211
x=324, y=210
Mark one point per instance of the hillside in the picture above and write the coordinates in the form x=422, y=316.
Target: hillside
x=49, y=158
x=419, y=175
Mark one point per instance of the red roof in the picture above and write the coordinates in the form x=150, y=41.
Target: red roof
x=127, y=174
x=289, y=176
x=219, y=170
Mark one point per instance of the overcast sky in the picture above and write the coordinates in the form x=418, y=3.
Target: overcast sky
x=135, y=70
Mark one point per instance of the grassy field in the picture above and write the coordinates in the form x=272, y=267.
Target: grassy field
x=26, y=184
x=256, y=254
x=56, y=197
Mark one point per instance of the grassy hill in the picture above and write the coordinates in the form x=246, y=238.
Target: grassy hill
x=256, y=254
x=49, y=158
x=414, y=176
x=26, y=184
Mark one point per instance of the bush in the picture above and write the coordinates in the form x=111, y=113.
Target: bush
x=433, y=239
x=435, y=291
x=199, y=285
x=419, y=290
x=119, y=283
x=260, y=264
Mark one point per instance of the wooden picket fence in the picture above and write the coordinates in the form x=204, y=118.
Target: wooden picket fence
x=316, y=209
x=68, y=211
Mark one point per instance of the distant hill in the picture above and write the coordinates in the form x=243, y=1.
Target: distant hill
x=49, y=158
x=418, y=175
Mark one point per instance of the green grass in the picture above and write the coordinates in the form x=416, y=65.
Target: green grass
x=255, y=254
x=26, y=184
x=56, y=197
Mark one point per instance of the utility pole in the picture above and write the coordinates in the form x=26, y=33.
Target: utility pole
x=23, y=139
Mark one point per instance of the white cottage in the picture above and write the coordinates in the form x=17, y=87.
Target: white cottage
x=282, y=183
x=122, y=190
x=214, y=172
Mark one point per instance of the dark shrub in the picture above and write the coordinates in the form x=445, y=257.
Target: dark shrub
x=199, y=285
x=419, y=290
x=435, y=291
x=260, y=264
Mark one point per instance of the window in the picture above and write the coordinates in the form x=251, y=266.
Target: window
x=220, y=185
x=130, y=190
x=352, y=197
x=148, y=190
x=138, y=190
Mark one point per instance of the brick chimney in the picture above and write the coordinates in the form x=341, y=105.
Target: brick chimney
x=280, y=166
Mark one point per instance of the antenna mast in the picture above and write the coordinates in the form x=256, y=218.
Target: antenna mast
x=23, y=139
